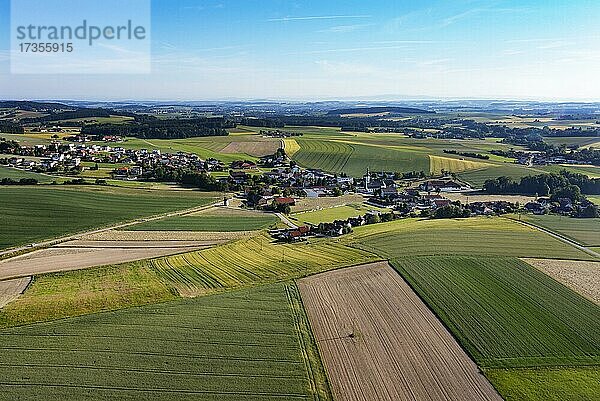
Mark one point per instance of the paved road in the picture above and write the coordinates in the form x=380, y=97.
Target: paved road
x=560, y=237
x=55, y=241
x=286, y=220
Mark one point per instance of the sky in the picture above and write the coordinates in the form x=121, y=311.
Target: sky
x=325, y=50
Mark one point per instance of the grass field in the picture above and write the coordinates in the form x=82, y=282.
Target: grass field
x=59, y=295
x=572, y=141
x=208, y=223
x=251, y=345
x=543, y=384
x=583, y=231
x=7, y=172
x=478, y=177
x=505, y=313
x=37, y=213
x=252, y=261
x=475, y=236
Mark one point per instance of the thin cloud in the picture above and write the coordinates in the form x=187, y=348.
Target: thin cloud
x=317, y=17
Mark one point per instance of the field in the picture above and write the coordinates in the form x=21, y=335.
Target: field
x=354, y=158
x=580, y=276
x=80, y=292
x=205, y=222
x=11, y=289
x=313, y=204
x=583, y=231
x=581, y=142
x=74, y=255
x=7, y=172
x=36, y=213
x=474, y=236
x=372, y=330
x=505, y=313
x=478, y=177
x=542, y=384
x=437, y=164
x=251, y=345
x=252, y=261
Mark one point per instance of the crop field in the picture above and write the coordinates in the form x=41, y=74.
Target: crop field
x=380, y=342
x=248, y=345
x=478, y=177
x=505, y=313
x=583, y=231
x=312, y=204
x=581, y=276
x=291, y=146
x=36, y=213
x=11, y=289
x=543, y=384
x=354, y=158
x=474, y=236
x=437, y=164
x=257, y=148
x=203, y=222
x=252, y=261
x=581, y=142
x=7, y=172
x=590, y=171
x=79, y=292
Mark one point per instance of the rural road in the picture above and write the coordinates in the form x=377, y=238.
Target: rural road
x=286, y=220
x=55, y=241
x=559, y=237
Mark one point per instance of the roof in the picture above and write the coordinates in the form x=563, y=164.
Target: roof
x=285, y=201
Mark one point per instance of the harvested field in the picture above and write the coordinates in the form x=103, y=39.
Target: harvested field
x=64, y=258
x=255, y=148
x=438, y=164
x=116, y=235
x=309, y=204
x=582, y=277
x=11, y=289
x=380, y=342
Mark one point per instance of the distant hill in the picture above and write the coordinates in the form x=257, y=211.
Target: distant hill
x=379, y=110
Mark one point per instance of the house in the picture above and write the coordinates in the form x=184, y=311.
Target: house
x=284, y=201
x=443, y=186
x=239, y=177
x=243, y=165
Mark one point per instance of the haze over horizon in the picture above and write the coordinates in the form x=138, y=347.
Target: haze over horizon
x=306, y=50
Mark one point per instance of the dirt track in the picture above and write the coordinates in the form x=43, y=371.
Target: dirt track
x=11, y=289
x=580, y=276
x=379, y=341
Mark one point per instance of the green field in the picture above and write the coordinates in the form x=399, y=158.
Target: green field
x=252, y=345
x=478, y=177
x=79, y=292
x=543, y=384
x=583, y=231
x=474, y=236
x=505, y=313
x=354, y=158
x=572, y=141
x=251, y=261
x=208, y=223
x=35, y=213
x=15, y=174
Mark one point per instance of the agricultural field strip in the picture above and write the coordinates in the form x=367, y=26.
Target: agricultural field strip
x=505, y=313
x=290, y=336
x=394, y=337
x=582, y=277
x=75, y=236
x=11, y=289
x=584, y=232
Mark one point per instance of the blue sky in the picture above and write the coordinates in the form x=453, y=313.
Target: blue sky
x=311, y=50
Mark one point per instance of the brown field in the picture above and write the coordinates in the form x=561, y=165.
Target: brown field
x=11, y=289
x=78, y=256
x=116, y=235
x=582, y=277
x=257, y=148
x=379, y=341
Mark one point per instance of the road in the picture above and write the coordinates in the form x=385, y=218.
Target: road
x=559, y=237
x=55, y=241
x=287, y=221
